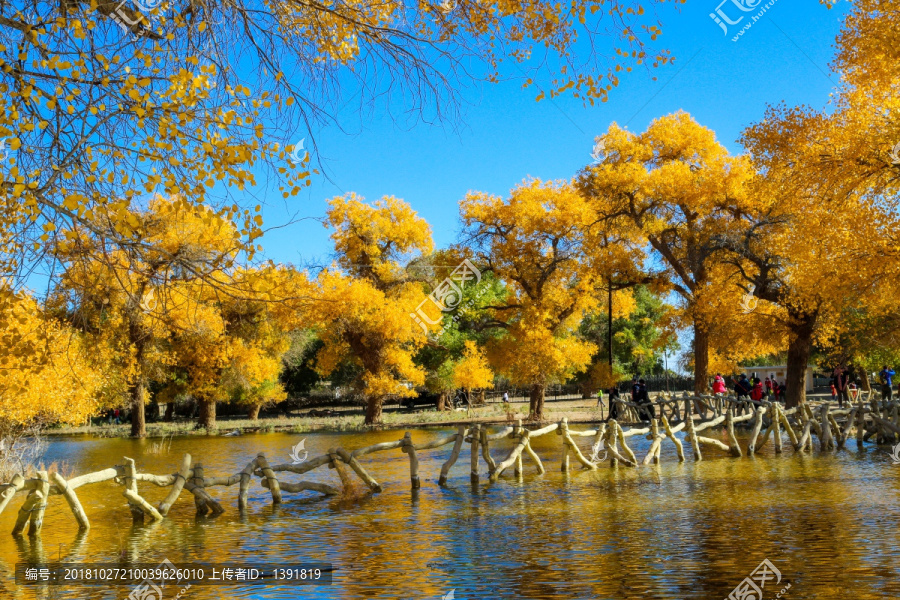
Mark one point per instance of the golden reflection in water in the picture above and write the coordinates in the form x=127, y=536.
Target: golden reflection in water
x=828, y=522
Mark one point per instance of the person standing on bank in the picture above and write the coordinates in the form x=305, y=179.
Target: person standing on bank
x=887, y=386
x=841, y=381
x=719, y=385
x=643, y=400
x=613, y=406
x=743, y=387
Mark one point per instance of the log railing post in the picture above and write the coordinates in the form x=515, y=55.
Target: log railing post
x=454, y=454
x=37, y=517
x=671, y=435
x=732, y=440
x=180, y=479
x=357, y=468
x=563, y=430
x=197, y=483
x=270, y=475
x=244, y=486
x=757, y=427
x=16, y=484
x=776, y=428
x=475, y=437
x=130, y=482
x=486, y=450
x=689, y=428
x=69, y=494
x=410, y=449
x=34, y=499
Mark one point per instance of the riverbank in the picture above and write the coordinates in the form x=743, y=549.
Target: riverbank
x=351, y=421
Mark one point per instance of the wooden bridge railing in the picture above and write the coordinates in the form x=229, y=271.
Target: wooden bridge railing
x=878, y=419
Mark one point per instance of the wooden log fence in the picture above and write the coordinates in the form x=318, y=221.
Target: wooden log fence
x=765, y=419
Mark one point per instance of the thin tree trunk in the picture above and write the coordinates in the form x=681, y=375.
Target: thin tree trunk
x=138, y=391
x=860, y=373
x=207, y=417
x=373, y=410
x=253, y=413
x=701, y=358
x=537, y=402
x=802, y=327
x=138, y=397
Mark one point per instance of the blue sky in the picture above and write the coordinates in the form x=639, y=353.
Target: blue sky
x=504, y=135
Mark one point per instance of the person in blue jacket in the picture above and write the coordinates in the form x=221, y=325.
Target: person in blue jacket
x=886, y=385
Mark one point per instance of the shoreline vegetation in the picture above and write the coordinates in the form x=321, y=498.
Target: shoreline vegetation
x=345, y=421
x=352, y=421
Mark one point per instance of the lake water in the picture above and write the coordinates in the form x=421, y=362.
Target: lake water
x=827, y=522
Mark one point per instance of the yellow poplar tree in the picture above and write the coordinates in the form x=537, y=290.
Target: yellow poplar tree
x=679, y=187
x=131, y=301
x=472, y=371
x=363, y=308
x=538, y=242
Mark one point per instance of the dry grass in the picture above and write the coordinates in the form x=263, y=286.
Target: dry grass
x=62, y=467
x=161, y=447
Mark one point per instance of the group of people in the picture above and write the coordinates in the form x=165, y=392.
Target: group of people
x=639, y=396
x=843, y=386
x=751, y=387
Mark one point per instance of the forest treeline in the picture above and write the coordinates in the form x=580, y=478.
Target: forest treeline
x=129, y=158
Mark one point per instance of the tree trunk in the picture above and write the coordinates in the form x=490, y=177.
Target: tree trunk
x=253, y=413
x=537, y=402
x=587, y=390
x=802, y=327
x=373, y=410
x=207, y=414
x=701, y=358
x=863, y=376
x=442, y=401
x=170, y=412
x=138, y=397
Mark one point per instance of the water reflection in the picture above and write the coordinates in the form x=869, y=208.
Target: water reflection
x=668, y=531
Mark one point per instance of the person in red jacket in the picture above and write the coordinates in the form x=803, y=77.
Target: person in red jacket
x=719, y=384
x=757, y=392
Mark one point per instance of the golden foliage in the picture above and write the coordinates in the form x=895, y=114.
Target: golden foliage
x=44, y=374
x=472, y=371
